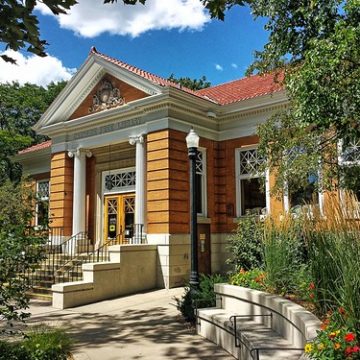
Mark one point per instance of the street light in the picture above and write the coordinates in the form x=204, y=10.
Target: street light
x=192, y=142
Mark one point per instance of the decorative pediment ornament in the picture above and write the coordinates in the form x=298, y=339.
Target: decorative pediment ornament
x=106, y=97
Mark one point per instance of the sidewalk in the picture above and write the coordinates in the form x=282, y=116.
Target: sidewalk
x=142, y=326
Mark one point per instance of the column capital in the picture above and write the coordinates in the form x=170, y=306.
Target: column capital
x=134, y=139
x=78, y=152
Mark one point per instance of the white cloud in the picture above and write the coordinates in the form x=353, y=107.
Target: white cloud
x=233, y=65
x=33, y=69
x=90, y=18
x=218, y=67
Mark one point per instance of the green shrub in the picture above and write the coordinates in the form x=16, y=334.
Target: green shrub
x=253, y=279
x=12, y=351
x=246, y=245
x=203, y=297
x=47, y=344
x=39, y=344
x=20, y=251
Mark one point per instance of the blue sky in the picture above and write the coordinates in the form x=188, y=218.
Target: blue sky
x=180, y=39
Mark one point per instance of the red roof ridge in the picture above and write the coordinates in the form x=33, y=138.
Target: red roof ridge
x=143, y=73
x=43, y=145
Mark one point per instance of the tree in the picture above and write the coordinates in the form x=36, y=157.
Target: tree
x=193, y=84
x=19, y=26
x=324, y=109
x=20, y=250
x=20, y=108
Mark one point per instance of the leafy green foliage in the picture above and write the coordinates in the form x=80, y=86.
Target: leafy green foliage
x=20, y=108
x=20, y=250
x=315, y=44
x=283, y=255
x=19, y=27
x=245, y=246
x=200, y=298
x=39, y=344
x=324, y=93
x=193, y=84
x=253, y=279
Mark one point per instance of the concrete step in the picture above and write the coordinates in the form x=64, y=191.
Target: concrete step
x=215, y=325
x=44, y=297
x=37, y=289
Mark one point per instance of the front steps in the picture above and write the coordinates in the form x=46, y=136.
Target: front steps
x=215, y=325
x=254, y=325
x=57, y=268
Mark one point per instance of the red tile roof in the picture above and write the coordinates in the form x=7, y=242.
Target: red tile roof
x=234, y=91
x=144, y=74
x=243, y=89
x=37, y=147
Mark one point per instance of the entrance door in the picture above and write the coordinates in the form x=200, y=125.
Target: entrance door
x=119, y=216
x=204, y=253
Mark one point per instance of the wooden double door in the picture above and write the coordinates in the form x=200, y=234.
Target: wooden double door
x=119, y=217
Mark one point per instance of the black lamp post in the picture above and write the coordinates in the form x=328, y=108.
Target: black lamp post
x=192, y=142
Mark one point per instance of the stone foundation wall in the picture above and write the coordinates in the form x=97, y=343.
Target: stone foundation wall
x=173, y=262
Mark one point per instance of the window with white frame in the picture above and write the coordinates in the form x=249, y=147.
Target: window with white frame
x=304, y=196
x=297, y=197
x=42, y=203
x=349, y=160
x=251, y=197
x=201, y=190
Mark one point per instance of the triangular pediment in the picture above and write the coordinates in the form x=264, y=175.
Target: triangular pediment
x=77, y=98
x=108, y=93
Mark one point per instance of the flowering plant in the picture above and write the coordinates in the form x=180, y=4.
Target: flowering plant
x=253, y=279
x=333, y=341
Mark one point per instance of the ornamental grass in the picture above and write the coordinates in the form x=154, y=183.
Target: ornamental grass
x=333, y=240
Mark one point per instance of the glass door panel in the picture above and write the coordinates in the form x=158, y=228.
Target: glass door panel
x=119, y=216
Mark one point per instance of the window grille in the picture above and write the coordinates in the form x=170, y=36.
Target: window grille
x=251, y=199
x=42, y=204
x=201, y=182
x=43, y=189
x=119, y=180
x=351, y=152
x=250, y=163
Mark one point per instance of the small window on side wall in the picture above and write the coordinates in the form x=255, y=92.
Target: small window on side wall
x=305, y=196
x=42, y=203
x=251, y=196
x=349, y=161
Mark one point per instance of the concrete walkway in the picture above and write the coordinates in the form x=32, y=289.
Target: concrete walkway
x=142, y=326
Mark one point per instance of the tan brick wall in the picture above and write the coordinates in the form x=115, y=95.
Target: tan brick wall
x=158, y=192
x=61, y=192
x=168, y=182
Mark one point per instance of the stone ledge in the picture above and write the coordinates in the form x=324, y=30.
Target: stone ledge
x=72, y=286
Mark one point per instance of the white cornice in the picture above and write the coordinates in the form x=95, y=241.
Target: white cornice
x=131, y=110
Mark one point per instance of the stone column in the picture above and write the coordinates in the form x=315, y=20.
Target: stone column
x=139, y=187
x=79, y=194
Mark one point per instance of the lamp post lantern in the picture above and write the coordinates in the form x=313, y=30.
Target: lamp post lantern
x=192, y=142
